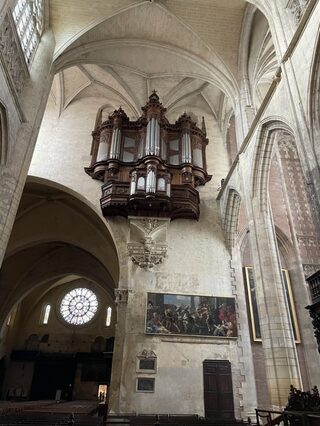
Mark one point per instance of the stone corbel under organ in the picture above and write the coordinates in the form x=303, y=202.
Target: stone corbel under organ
x=149, y=167
x=147, y=246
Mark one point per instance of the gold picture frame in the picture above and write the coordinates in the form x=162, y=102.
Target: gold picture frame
x=253, y=307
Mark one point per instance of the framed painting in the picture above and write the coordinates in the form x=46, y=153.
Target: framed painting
x=252, y=303
x=253, y=306
x=191, y=315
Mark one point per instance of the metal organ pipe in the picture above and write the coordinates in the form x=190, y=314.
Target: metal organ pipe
x=157, y=137
x=153, y=137
x=186, y=147
x=163, y=150
x=115, y=143
x=151, y=180
x=148, y=138
x=133, y=183
x=168, y=189
x=103, y=149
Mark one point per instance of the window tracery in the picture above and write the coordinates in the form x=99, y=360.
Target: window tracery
x=28, y=17
x=79, y=306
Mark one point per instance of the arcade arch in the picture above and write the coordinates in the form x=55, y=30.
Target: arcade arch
x=58, y=243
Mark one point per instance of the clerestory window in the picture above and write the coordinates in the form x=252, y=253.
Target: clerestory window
x=108, y=316
x=28, y=17
x=45, y=314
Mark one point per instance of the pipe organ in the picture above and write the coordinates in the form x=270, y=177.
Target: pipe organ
x=149, y=167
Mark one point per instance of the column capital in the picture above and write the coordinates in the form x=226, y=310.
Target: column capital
x=121, y=295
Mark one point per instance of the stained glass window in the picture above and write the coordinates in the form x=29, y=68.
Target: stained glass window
x=79, y=306
x=108, y=317
x=46, y=314
x=28, y=17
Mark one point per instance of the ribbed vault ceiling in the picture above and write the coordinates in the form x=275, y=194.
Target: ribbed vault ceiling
x=120, y=50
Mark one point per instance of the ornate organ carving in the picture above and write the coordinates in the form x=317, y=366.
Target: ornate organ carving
x=149, y=167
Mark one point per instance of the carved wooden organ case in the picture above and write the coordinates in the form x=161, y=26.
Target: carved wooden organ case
x=149, y=167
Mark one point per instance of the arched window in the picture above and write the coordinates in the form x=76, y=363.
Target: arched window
x=9, y=319
x=108, y=316
x=28, y=17
x=46, y=314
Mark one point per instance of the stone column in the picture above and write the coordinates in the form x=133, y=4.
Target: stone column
x=121, y=300
x=247, y=385
x=25, y=112
x=281, y=360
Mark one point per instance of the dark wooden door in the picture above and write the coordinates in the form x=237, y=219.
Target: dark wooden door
x=218, y=396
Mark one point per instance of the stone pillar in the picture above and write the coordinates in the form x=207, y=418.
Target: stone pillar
x=277, y=335
x=25, y=112
x=121, y=300
x=246, y=386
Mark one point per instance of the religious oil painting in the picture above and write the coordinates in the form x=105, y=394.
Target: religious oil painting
x=191, y=315
x=253, y=305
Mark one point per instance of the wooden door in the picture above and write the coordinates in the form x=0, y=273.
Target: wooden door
x=218, y=396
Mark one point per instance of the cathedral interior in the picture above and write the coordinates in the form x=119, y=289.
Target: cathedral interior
x=159, y=205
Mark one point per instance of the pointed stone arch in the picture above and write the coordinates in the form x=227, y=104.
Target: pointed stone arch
x=314, y=100
x=231, y=217
x=57, y=233
x=262, y=157
x=209, y=66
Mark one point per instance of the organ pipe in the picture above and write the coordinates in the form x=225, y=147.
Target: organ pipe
x=115, y=144
x=186, y=146
x=153, y=137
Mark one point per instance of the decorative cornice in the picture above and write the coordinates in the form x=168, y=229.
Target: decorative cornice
x=147, y=354
x=310, y=269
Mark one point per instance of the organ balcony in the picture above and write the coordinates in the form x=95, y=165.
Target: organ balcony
x=149, y=167
x=314, y=308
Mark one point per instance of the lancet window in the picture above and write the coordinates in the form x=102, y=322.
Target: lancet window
x=28, y=17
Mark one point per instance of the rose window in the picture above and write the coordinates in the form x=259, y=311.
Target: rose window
x=79, y=306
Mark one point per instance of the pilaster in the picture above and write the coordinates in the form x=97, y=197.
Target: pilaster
x=282, y=368
x=121, y=299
